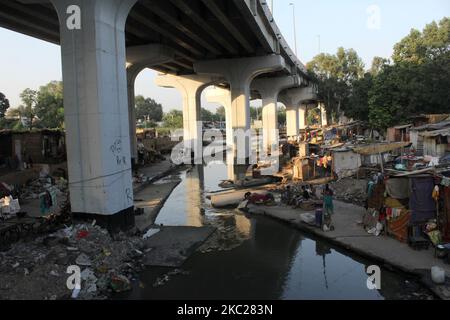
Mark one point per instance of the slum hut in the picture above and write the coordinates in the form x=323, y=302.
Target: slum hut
x=398, y=133
x=424, y=119
x=418, y=135
x=37, y=146
x=378, y=153
x=346, y=162
x=436, y=143
x=413, y=207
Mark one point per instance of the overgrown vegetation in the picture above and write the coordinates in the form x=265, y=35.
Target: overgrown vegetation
x=416, y=81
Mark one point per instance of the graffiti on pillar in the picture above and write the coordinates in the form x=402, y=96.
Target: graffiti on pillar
x=129, y=195
x=73, y=21
x=116, y=149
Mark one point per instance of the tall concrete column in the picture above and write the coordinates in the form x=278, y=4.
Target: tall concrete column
x=302, y=116
x=323, y=115
x=222, y=96
x=190, y=87
x=269, y=88
x=292, y=98
x=239, y=73
x=96, y=110
x=139, y=58
x=292, y=128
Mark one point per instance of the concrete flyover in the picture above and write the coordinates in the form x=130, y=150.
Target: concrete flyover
x=106, y=43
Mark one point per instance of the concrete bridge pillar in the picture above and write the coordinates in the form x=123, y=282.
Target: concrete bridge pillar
x=292, y=98
x=302, y=116
x=323, y=115
x=292, y=128
x=239, y=73
x=96, y=110
x=139, y=58
x=190, y=87
x=269, y=88
x=222, y=96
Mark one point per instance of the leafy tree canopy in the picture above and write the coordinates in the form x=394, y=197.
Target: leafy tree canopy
x=50, y=106
x=173, y=119
x=4, y=105
x=147, y=108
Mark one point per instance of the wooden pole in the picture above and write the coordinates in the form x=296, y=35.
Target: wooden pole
x=381, y=162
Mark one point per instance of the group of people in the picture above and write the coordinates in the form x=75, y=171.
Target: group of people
x=290, y=198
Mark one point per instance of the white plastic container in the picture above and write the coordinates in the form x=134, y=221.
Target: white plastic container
x=438, y=275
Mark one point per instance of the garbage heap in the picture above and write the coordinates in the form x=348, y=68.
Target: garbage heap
x=38, y=269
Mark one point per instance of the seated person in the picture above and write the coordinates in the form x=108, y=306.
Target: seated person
x=305, y=193
x=286, y=195
x=258, y=198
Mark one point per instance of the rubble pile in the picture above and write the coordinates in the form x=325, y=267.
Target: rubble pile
x=41, y=185
x=38, y=269
x=350, y=190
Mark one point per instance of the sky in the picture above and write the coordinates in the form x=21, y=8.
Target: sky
x=370, y=27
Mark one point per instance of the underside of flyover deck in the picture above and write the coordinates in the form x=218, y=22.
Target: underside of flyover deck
x=194, y=29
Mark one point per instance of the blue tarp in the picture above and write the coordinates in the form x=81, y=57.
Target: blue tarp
x=421, y=203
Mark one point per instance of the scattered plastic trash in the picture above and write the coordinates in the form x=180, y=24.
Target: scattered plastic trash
x=83, y=260
x=120, y=283
x=149, y=233
x=437, y=275
x=54, y=273
x=82, y=234
x=75, y=293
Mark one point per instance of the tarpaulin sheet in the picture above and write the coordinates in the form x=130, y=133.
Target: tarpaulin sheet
x=398, y=188
x=376, y=200
x=421, y=203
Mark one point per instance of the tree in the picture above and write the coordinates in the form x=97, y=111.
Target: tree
x=281, y=115
x=418, y=47
x=220, y=113
x=256, y=113
x=50, y=106
x=27, y=110
x=207, y=115
x=377, y=65
x=173, y=119
x=4, y=105
x=147, y=108
x=335, y=75
x=358, y=101
x=417, y=82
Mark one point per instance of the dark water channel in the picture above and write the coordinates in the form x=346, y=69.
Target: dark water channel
x=257, y=258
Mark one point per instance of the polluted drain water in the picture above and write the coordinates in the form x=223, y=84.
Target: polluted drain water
x=256, y=257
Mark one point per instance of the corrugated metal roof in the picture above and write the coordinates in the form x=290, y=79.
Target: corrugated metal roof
x=434, y=126
x=435, y=133
x=403, y=126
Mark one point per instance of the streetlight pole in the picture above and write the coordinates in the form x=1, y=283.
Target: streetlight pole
x=295, y=32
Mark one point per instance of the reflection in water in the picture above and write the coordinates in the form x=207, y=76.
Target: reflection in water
x=256, y=257
x=193, y=196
